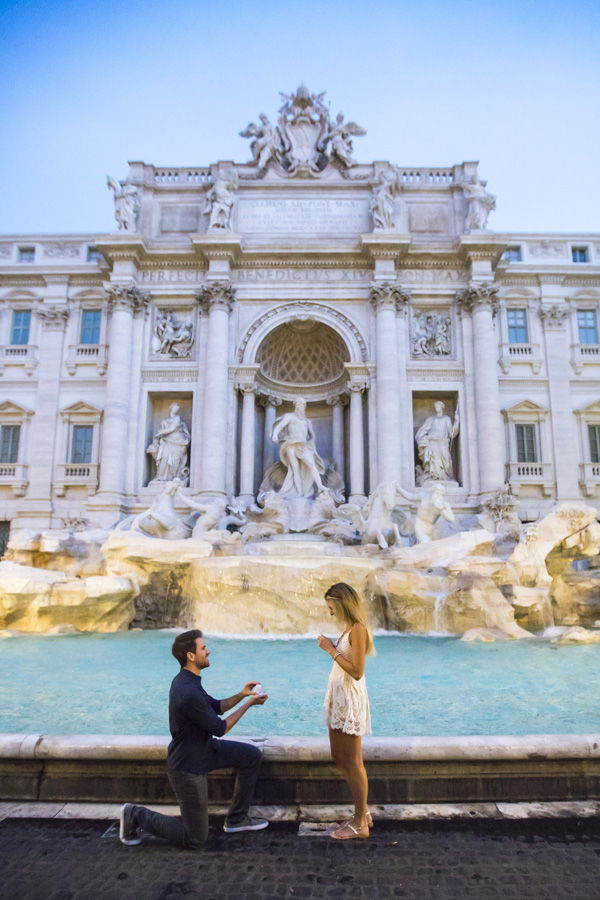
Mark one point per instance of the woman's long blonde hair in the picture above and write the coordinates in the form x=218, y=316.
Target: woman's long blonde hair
x=349, y=608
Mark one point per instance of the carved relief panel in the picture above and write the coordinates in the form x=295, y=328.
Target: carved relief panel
x=431, y=334
x=172, y=334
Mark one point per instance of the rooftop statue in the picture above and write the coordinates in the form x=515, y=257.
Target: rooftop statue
x=219, y=201
x=382, y=199
x=127, y=203
x=479, y=204
x=305, y=139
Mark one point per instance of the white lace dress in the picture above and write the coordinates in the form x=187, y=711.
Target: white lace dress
x=346, y=700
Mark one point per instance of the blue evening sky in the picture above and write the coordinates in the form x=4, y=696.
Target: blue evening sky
x=87, y=86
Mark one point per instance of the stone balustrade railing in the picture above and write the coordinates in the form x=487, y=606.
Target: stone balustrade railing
x=539, y=473
x=80, y=474
x=87, y=354
x=426, y=176
x=182, y=176
x=18, y=355
x=15, y=476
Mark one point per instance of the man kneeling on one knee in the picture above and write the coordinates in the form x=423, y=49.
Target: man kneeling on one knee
x=195, y=725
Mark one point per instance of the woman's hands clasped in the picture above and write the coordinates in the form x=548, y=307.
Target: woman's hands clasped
x=326, y=644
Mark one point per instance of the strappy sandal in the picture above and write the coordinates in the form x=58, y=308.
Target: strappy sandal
x=369, y=820
x=338, y=834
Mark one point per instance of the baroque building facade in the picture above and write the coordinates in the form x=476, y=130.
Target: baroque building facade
x=169, y=347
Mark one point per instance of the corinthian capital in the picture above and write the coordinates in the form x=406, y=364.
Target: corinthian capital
x=127, y=297
x=554, y=318
x=389, y=295
x=53, y=318
x=216, y=295
x=483, y=296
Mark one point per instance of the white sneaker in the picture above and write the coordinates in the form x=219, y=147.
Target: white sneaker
x=129, y=832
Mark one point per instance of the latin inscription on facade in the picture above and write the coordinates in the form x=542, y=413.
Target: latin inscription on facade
x=171, y=276
x=245, y=276
x=310, y=214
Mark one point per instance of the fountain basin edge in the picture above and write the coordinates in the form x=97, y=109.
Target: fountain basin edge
x=298, y=770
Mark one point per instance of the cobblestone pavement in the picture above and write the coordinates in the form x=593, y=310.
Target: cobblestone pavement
x=483, y=859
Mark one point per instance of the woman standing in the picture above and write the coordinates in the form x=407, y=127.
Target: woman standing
x=347, y=702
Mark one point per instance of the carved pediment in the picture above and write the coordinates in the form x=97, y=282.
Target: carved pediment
x=81, y=410
x=525, y=410
x=8, y=409
x=589, y=412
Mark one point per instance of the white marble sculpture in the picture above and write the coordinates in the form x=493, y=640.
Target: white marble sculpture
x=378, y=524
x=127, y=203
x=382, y=200
x=219, y=201
x=298, y=453
x=434, y=442
x=479, y=204
x=172, y=337
x=272, y=518
x=214, y=519
x=338, y=141
x=266, y=141
x=305, y=139
x=169, y=447
x=161, y=520
x=433, y=506
x=431, y=334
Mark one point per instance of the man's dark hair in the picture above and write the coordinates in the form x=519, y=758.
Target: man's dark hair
x=185, y=643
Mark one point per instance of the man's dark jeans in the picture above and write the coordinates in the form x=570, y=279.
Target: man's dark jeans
x=190, y=829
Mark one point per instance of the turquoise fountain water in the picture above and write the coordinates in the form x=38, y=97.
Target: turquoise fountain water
x=118, y=684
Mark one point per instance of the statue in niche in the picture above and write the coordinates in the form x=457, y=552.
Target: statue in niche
x=382, y=200
x=219, y=201
x=479, y=204
x=431, y=335
x=172, y=337
x=127, y=203
x=433, y=506
x=298, y=453
x=434, y=442
x=169, y=447
x=266, y=141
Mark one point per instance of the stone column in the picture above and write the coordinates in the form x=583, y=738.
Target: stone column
x=480, y=301
x=124, y=301
x=270, y=404
x=386, y=297
x=357, y=442
x=218, y=299
x=42, y=434
x=247, y=442
x=564, y=448
x=337, y=436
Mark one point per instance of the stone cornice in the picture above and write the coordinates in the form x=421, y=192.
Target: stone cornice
x=217, y=245
x=122, y=246
x=216, y=295
x=383, y=245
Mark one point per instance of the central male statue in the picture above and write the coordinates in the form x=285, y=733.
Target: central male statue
x=298, y=453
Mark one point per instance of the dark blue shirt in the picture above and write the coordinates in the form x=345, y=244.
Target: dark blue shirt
x=194, y=722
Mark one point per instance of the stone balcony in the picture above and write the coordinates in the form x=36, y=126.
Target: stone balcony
x=589, y=478
x=538, y=474
x=24, y=355
x=511, y=354
x=14, y=475
x=87, y=355
x=76, y=475
x=584, y=354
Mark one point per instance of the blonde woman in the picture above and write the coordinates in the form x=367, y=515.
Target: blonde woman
x=347, y=702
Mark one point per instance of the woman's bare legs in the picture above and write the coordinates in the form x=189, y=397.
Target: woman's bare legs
x=346, y=751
